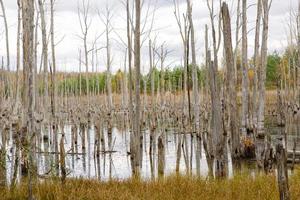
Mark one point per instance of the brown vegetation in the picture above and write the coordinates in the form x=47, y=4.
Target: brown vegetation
x=262, y=187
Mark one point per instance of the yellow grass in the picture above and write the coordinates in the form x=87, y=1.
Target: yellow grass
x=241, y=187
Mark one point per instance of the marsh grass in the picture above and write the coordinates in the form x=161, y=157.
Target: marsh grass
x=241, y=187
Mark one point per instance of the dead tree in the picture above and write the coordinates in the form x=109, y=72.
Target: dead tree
x=232, y=104
x=44, y=51
x=256, y=61
x=152, y=75
x=260, y=136
x=184, y=31
x=85, y=23
x=17, y=93
x=217, y=130
x=53, y=66
x=6, y=36
x=28, y=63
x=245, y=80
x=207, y=141
x=298, y=46
x=130, y=84
x=282, y=176
x=237, y=31
x=37, y=18
x=194, y=68
x=137, y=59
x=125, y=82
x=106, y=21
x=9, y=93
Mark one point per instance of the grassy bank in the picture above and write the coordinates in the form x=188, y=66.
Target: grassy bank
x=262, y=187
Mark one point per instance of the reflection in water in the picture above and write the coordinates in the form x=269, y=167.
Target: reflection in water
x=93, y=151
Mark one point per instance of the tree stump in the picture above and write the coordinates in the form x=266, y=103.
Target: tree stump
x=282, y=176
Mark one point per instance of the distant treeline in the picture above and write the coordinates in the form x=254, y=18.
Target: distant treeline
x=167, y=80
x=279, y=67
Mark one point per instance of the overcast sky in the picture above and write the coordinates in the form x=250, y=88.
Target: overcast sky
x=165, y=29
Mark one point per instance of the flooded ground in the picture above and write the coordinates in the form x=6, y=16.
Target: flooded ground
x=114, y=160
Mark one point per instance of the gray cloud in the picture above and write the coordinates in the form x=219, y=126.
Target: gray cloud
x=165, y=28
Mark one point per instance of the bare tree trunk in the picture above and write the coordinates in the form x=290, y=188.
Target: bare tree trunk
x=6, y=36
x=108, y=60
x=162, y=76
x=35, y=59
x=125, y=82
x=237, y=27
x=45, y=51
x=132, y=139
x=245, y=81
x=137, y=46
x=260, y=138
x=232, y=104
x=282, y=176
x=161, y=157
x=184, y=32
x=207, y=142
x=53, y=61
x=219, y=140
x=152, y=76
x=80, y=78
x=85, y=23
x=256, y=61
x=7, y=50
x=298, y=46
x=17, y=96
x=217, y=129
x=28, y=63
x=194, y=69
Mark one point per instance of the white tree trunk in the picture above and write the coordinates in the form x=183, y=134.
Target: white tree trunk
x=137, y=46
x=194, y=69
x=28, y=63
x=256, y=61
x=245, y=80
x=45, y=50
x=260, y=146
x=232, y=94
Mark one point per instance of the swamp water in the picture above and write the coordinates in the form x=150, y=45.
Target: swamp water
x=114, y=160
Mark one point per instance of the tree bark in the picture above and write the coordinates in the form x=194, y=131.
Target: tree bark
x=260, y=137
x=45, y=51
x=232, y=104
x=282, y=176
x=6, y=36
x=256, y=61
x=245, y=80
x=108, y=61
x=28, y=63
x=53, y=87
x=137, y=46
x=298, y=46
x=17, y=95
x=130, y=85
x=194, y=69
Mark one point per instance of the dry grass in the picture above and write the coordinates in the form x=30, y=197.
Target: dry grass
x=262, y=187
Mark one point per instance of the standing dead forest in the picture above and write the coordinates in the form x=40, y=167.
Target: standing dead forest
x=150, y=99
